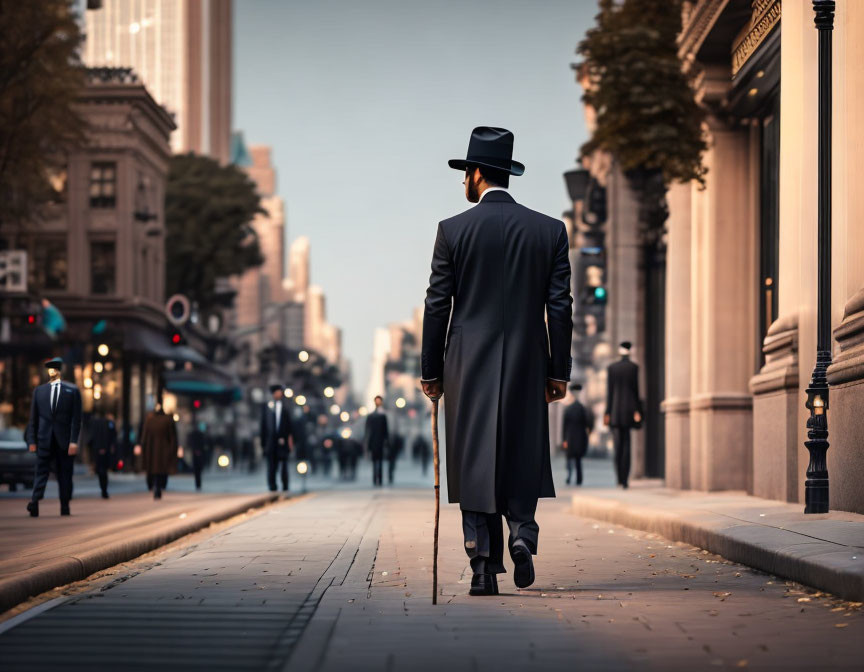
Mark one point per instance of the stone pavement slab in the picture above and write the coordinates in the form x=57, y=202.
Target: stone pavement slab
x=38, y=554
x=825, y=551
x=342, y=580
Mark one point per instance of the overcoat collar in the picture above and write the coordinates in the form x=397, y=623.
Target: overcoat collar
x=497, y=196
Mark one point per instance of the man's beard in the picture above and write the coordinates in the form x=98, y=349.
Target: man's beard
x=473, y=193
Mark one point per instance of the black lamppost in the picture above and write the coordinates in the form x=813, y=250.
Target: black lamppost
x=816, y=485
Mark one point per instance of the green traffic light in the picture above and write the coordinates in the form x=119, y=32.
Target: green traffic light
x=600, y=293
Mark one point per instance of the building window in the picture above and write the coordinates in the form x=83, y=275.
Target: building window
x=103, y=185
x=50, y=266
x=103, y=267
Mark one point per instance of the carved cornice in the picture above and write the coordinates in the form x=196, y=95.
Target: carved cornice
x=700, y=20
x=765, y=17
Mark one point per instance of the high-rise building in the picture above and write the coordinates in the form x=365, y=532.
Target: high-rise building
x=181, y=50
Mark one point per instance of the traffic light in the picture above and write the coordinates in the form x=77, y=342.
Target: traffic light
x=176, y=337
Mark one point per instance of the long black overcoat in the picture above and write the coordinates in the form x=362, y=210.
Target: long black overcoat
x=498, y=270
x=377, y=435
x=276, y=439
x=622, y=393
x=577, y=425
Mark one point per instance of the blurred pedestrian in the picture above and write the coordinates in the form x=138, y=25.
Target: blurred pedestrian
x=623, y=408
x=159, y=449
x=276, y=437
x=196, y=443
x=377, y=438
x=422, y=452
x=103, y=446
x=497, y=268
x=394, y=450
x=577, y=425
x=52, y=433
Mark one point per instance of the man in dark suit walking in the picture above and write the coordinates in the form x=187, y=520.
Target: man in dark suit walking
x=377, y=440
x=578, y=423
x=623, y=409
x=103, y=444
x=196, y=442
x=498, y=270
x=52, y=433
x=276, y=437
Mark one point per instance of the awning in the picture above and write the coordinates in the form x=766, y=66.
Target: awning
x=156, y=346
x=203, y=383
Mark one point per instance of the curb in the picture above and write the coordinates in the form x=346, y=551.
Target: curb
x=831, y=567
x=60, y=571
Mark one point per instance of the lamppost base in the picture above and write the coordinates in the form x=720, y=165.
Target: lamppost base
x=816, y=495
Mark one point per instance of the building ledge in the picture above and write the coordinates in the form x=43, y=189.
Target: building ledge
x=780, y=371
x=848, y=366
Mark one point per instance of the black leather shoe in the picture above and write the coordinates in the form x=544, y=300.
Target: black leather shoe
x=104, y=495
x=64, y=511
x=33, y=508
x=523, y=573
x=482, y=584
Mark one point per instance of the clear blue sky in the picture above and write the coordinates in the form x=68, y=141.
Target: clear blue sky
x=364, y=102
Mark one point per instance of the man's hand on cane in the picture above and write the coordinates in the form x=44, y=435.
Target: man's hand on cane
x=555, y=390
x=433, y=388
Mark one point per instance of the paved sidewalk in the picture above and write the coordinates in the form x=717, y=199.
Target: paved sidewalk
x=342, y=580
x=825, y=550
x=37, y=554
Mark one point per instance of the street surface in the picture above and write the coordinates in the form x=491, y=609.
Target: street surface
x=341, y=580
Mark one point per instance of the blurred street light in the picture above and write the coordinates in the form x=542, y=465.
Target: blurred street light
x=97, y=367
x=300, y=400
x=346, y=433
x=303, y=356
x=289, y=393
x=345, y=416
x=334, y=409
x=223, y=461
x=103, y=350
x=329, y=392
x=400, y=402
x=88, y=383
x=302, y=467
x=363, y=410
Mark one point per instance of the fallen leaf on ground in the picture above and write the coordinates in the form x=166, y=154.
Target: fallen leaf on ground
x=840, y=625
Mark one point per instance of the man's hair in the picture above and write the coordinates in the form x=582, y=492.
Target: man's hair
x=495, y=177
x=378, y=396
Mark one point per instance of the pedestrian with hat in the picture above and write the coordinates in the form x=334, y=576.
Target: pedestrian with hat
x=623, y=408
x=276, y=436
x=578, y=423
x=496, y=344
x=52, y=433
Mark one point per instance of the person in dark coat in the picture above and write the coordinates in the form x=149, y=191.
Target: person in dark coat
x=498, y=270
x=103, y=444
x=276, y=437
x=623, y=409
x=52, y=433
x=422, y=452
x=196, y=442
x=577, y=425
x=376, y=440
x=394, y=450
x=159, y=449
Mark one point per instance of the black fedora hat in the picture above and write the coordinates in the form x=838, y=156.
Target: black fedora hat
x=54, y=363
x=492, y=148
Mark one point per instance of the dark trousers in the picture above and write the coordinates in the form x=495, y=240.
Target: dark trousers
x=391, y=469
x=197, y=468
x=577, y=463
x=377, y=471
x=484, y=537
x=160, y=482
x=621, y=442
x=276, y=462
x=102, y=473
x=62, y=463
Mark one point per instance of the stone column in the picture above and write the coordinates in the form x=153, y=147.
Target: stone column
x=677, y=403
x=723, y=311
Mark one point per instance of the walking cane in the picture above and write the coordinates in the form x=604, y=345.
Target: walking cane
x=435, y=463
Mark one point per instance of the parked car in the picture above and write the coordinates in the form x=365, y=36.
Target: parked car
x=17, y=464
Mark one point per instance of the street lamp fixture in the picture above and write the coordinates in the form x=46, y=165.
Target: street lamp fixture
x=816, y=485
x=345, y=416
x=300, y=400
x=400, y=402
x=97, y=367
x=329, y=392
x=363, y=411
x=303, y=356
x=288, y=393
x=103, y=350
x=334, y=409
x=88, y=383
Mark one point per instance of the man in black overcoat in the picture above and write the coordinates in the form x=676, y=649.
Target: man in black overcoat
x=577, y=425
x=196, y=442
x=276, y=437
x=103, y=444
x=623, y=409
x=500, y=272
x=377, y=440
x=52, y=433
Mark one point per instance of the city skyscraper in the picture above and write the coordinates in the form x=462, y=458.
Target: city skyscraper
x=181, y=50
